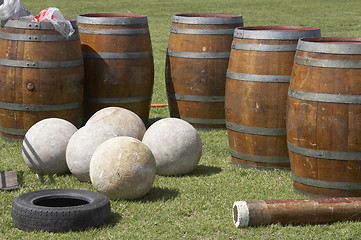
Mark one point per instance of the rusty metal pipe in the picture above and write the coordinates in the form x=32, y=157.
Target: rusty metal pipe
x=296, y=211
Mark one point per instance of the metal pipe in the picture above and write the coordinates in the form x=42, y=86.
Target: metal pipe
x=296, y=211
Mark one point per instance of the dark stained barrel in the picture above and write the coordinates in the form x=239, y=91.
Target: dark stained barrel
x=118, y=62
x=41, y=76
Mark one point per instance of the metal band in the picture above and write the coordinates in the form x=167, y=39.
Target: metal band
x=39, y=108
x=118, y=100
x=195, y=98
x=327, y=184
x=314, y=62
x=256, y=158
x=256, y=130
x=264, y=47
x=37, y=38
x=199, y=55
x=124, y=55
x=41, y=64
x=331, y=48
x=13, y=131
x=258, y=78
x=207, y=20
x=114, y=31
x=32, y=25
x=202, y=31
x=201, y=120
x=343, y=156
x=275, y=34
x=112, y=20
x=324, y=97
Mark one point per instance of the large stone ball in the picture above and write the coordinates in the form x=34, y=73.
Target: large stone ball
x=127, y=122
x=82, y=145
x=44, y=146
x=175, y=144
x=122, y=168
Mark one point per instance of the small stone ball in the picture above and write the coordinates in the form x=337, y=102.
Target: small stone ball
x=82, y=145
x=44, y=146
x=127, y=122
x=175, y=144
x=122, y=168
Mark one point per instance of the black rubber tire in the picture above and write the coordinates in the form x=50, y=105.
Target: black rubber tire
x=60, y=210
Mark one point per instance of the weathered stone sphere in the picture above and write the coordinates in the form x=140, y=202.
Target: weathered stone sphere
x=44, y=146
x=82, y=145
x=122, y=168
x=127, y=122
x=175, y=144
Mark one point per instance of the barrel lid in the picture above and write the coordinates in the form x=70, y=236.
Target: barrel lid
x=207, y=18
x=276, y=32
x=26, y=24
x=112, y=19
x=331, y=45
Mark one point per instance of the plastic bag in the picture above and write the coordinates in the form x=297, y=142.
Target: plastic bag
x=12, y=9
x=54, y=16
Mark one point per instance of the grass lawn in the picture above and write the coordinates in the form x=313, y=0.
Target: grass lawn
x=198, y=205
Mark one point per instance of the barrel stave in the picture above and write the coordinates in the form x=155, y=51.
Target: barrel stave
x=323, y=118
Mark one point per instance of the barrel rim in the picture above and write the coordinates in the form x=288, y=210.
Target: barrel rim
x=207, y=18
x=332, y=39
x=277, y=28
x=276, y=32
x=26, y=24
x=331, y=45
x=112, y=19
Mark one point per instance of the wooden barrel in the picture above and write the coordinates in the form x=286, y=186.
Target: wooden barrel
x=41, y=76
x=258, y=77
x=197, y=58
x=324, y=117
x=118, y=62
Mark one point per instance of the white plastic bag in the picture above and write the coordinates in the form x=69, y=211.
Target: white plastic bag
x=54, y=16
x=12, y=9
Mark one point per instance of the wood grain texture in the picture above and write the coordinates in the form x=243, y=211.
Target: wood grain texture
x=39, y=86
x=199, y=76
x=326, y=126
x=118, y=81
x=256, y=103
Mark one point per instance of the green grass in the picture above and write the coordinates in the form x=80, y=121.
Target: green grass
x=199, y=205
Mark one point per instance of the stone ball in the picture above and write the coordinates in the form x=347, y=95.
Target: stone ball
x=175, y=144
x=82, y=145
x=127, y=122
x=44, y=146
x=122, y=168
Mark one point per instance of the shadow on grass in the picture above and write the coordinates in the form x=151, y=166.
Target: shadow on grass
x=202, y=170
x=159, y=194
x=43, y=178
x=20, y=175
x=114, y=219
x=151, y=121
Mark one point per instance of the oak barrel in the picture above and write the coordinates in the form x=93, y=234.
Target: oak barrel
x=41, y=76
x=118, y=62
x=258, y=77
x=197, y=57
x=324, y=117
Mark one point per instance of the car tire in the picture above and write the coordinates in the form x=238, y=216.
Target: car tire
x=60, y=210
